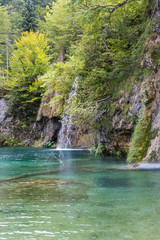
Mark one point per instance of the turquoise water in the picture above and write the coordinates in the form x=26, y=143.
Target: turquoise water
x=66, y=195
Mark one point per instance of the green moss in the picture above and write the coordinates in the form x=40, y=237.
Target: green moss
x=2, y=139
x=100, y=149
x=125, y=111
x=144, y=101
x=155, y=56
x=147, y=71
x=118, y=154
x=6, y=141
x=154, y=133
x=153, y=157
x=126, y=107
x=140, y=140
x=92, y=149
x=23, y=125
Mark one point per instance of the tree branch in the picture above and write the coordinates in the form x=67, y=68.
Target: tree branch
x=112, y=8
x=119, y=5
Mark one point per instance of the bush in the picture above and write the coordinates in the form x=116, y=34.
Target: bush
x=99, y=150
x=48, y=144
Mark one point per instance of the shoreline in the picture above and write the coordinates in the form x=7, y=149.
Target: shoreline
x=143, y=166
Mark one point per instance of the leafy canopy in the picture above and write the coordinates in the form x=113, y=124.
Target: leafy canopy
x=100, y=38
x=30, y=17
x=5, y=27
x=28, y=61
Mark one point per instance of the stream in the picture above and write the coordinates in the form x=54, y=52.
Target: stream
x=73, y=195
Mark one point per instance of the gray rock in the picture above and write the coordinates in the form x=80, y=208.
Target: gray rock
x=3, y=109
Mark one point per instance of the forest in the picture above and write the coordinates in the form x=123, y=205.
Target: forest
x=91, y=47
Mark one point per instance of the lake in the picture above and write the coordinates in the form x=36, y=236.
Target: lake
x=73, y=195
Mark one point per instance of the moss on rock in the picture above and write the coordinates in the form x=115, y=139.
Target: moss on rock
x=140, y=140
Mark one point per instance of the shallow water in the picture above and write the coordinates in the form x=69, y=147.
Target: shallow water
x=66, y=195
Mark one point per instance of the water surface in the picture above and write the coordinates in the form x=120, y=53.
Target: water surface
x=66, y=195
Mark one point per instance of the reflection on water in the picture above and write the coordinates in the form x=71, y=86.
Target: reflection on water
x=73, y=195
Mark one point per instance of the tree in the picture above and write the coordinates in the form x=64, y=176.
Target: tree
x=30, y=17
x=28, y=61
x=101, y=36
x=14, y=9
x=61, y=27
x=5, y=27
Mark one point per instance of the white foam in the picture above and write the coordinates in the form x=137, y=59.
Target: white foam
x=70, y=149
x=148, y=166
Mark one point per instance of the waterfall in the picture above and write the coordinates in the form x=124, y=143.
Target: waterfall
x=65, y=133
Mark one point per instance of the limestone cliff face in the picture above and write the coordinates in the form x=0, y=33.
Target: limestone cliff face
x=48, y=110
x=143, y=103
x=122, y=120
x=152, y=86
x=15, y=132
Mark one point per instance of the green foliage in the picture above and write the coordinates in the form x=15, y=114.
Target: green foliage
x=28, y=61
x=13, y=142
x=9, y=141
x=2, y=82
x=23, y=125
x=30, y=17
x=147, y=71
x=101, y=52
x=5, y=27
x=61, y=25
x=93, y=149
x=99, y=150
x=118, y=154
x=144, y=101
x=61, y=76
x=14, y=9
x=140, y=140
x=4, y=22
x=48, y=144
x=2, y=139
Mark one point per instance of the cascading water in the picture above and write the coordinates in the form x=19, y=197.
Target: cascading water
x=65, y=133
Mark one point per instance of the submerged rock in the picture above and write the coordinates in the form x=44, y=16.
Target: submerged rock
x=48, y=190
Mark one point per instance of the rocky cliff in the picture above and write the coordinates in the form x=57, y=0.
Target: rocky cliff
x=16, y=132
x=137, y=112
